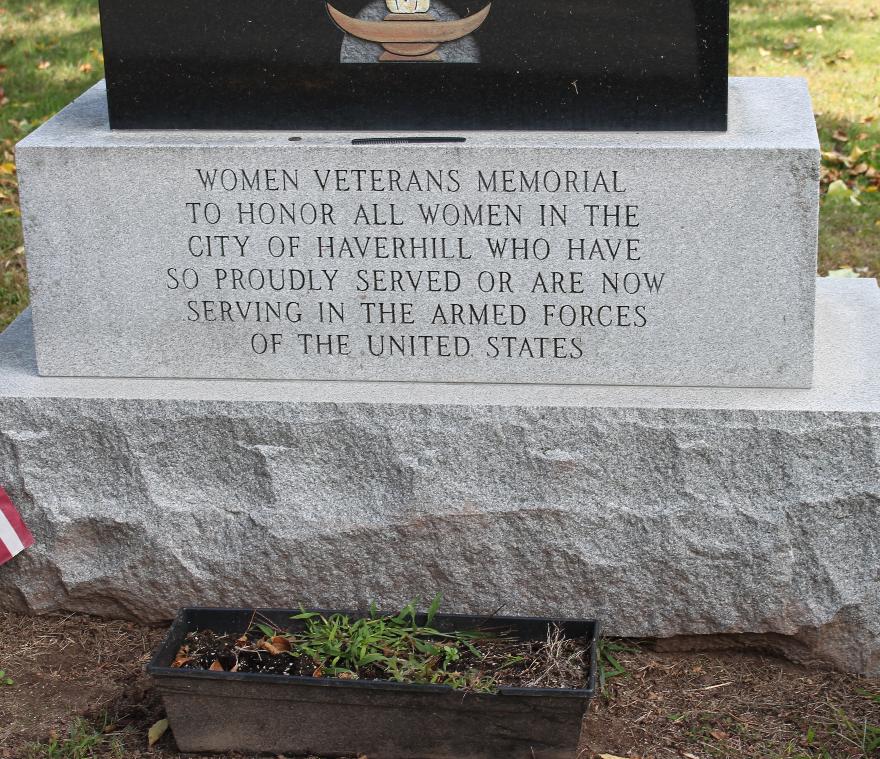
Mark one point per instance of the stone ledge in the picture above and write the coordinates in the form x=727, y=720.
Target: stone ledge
x=764, y=113
x=847, y=375
x=664, y=512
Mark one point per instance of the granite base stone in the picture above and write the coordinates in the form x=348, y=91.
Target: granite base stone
x=662, y=511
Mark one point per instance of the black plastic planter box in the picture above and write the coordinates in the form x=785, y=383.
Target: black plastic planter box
x=277, y=714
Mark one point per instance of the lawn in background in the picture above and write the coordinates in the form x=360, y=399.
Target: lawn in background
x=50, y=51
x=835, y=44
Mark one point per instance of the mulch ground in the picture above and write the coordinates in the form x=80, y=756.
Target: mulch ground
x=77, y=673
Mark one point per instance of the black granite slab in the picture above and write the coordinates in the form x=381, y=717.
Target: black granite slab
x=543, y=64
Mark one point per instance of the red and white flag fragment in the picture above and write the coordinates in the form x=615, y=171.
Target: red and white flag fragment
x=14, y=536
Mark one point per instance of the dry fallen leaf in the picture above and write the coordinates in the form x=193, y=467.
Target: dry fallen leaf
x=847, y=272
x=719, y=735
x=276, y=646
x=610, y=756
x=216, y=667
x=155, y=733
x=182, y=658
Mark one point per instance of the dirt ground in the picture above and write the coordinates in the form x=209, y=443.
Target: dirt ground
x=81, y=677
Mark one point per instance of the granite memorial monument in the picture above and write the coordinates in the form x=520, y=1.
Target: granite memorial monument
x=513, y=302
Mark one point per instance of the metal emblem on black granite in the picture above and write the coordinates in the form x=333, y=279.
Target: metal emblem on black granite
x=408, y=30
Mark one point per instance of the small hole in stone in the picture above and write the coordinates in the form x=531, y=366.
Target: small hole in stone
x=294, y=139
x=406, y=140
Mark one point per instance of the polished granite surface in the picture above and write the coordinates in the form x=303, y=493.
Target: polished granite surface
x=552, y=65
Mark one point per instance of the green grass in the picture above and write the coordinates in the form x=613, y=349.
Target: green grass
x=608, y=663
x=65, y=34
x=397, y=645
x=83, y=741
x=394, y=647
x=862, y=736
x=834, y=44
x=831, y=42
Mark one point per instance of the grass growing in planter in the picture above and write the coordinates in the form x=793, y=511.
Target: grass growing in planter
x=398, y=645
x=393, y=647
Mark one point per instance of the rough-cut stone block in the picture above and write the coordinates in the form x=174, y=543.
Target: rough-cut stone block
x=693, y=253
x=661, y=511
